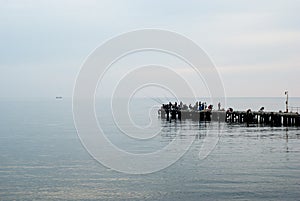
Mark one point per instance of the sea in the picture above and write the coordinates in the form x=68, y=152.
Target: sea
x=42, y=157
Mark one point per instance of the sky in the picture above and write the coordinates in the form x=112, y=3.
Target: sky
x=254, y=44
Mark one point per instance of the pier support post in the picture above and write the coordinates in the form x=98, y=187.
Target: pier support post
x=285, y=123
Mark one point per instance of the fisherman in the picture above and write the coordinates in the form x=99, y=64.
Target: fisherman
x=230, y=110
x=195, y=106
x=167, y=109
x=202, y=106
x=174, y=111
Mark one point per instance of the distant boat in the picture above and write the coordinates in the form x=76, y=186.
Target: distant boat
x=59, y=97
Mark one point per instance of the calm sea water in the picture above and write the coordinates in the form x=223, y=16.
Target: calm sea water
x=42, y=158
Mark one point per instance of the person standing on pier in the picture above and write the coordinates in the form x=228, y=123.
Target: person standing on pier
x=195, y=106
x=202, y=106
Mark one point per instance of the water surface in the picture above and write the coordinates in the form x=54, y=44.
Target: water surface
x=41, y=157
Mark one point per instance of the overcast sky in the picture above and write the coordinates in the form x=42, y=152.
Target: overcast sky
x=255, y=44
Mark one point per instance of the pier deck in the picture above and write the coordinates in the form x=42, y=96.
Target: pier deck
x=248, y=117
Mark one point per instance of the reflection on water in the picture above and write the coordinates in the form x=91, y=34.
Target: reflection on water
x=42, y=158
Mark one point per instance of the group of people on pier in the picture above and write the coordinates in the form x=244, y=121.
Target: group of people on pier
x=198, y=106
x=175, y=109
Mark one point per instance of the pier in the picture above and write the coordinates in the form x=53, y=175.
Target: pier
x=266, y=118
x=261, y=117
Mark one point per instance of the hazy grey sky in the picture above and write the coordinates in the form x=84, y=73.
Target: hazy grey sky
x=254, y=44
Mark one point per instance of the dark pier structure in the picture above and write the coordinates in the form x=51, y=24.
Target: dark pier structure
x=198, y=113
x=266, y=118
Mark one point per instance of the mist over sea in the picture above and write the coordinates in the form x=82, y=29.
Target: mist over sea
x=42, y=158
